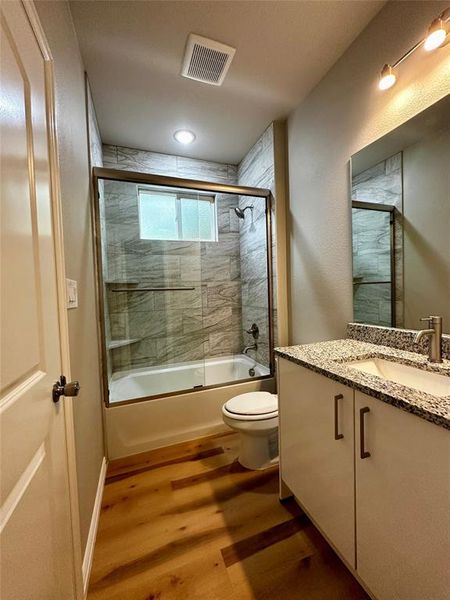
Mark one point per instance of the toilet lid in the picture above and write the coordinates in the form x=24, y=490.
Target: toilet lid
x=253, y=403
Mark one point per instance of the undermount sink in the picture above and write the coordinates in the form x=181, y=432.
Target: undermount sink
x=418, y=379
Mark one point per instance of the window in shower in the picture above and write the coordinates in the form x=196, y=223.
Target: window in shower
x=176, y=216
x=184, y=275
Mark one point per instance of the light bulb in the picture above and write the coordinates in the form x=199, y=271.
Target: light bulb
x=387, y=78
x=184, y=136
x=436, y=35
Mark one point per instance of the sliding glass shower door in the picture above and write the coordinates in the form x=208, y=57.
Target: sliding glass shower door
x=185, y=280
x=153, y=295
x=373, y=263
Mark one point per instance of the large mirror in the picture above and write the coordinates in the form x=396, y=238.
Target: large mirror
x=400, y=193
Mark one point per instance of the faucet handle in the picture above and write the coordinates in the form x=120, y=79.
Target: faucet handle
x=432, y=320
x=429, y=319
x=254, y=331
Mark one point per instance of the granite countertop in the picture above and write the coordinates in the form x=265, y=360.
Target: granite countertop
x=329, y=358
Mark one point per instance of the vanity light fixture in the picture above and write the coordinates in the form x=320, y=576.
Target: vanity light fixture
x=387, y=77
x=184, y=136
x=436, y=36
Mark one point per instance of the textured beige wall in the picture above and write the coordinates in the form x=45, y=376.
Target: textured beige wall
x=73, y=157
x=426, y=230
x=344, y=113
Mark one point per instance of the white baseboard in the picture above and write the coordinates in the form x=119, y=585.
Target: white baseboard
x=89, y=551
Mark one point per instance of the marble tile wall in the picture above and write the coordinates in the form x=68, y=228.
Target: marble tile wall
x=96, y=160
x=257, y=170
x=131, y=159
x=381, y=184
x=178, y=326
x=95, y=141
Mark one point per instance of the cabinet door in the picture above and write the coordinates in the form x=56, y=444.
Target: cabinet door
x=402, y=504
x=318, y=468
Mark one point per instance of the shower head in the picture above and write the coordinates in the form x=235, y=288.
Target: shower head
x=241, y=212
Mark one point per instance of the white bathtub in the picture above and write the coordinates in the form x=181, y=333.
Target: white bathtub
x=154, y=381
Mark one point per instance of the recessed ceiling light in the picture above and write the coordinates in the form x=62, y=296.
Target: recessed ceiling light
x=184, y=136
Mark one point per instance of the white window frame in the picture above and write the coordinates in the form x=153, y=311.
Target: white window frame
x=180, y=195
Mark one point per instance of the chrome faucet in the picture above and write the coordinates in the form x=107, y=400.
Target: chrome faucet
x=247, y=348
x=435, y=334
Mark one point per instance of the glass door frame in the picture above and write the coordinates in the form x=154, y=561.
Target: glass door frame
x=102, y=173
x=390, y=209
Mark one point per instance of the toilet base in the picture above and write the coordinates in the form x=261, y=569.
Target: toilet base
x=258, y=452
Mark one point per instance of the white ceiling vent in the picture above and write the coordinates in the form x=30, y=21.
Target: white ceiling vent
x=206, y=60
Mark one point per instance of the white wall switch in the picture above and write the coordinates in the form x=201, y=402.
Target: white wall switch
x=71, y=293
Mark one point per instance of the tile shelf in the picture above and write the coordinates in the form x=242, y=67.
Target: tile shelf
x=119, y=343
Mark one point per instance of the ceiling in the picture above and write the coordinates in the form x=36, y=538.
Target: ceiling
x=133, y=51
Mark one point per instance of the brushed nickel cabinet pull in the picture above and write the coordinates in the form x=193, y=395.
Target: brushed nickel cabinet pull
x=337, y=435
x=362, y=443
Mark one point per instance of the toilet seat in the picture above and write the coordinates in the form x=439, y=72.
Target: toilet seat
x=255, y=417
x=253, y=406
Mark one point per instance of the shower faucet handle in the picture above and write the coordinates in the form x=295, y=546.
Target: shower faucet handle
x=254, y=331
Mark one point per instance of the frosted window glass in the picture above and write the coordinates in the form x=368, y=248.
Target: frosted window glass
x=165, y=216
x=158, y=216
x=206, y=222
x=189, y=219
x=197, y=219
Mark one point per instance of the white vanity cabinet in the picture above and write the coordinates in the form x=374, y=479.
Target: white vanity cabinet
x=402, y=504
x=380, y=494
x=317, y=450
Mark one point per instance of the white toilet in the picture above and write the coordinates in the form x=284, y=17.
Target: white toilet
x=255, y=417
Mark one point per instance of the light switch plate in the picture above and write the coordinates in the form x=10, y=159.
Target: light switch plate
x=71, y=293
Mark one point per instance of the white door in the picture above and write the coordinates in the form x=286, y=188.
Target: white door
x=317, y=450
x=402, y=503
x=35, y=518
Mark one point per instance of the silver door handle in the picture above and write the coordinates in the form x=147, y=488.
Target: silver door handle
x=62, y=388
x=337, y=435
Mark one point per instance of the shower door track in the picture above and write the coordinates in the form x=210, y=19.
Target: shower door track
x=192, y=184
x=166, y=181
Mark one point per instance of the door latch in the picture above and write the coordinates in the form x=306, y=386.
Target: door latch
x=62, y=388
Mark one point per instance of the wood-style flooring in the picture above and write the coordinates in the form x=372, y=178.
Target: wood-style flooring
x=188, y=522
